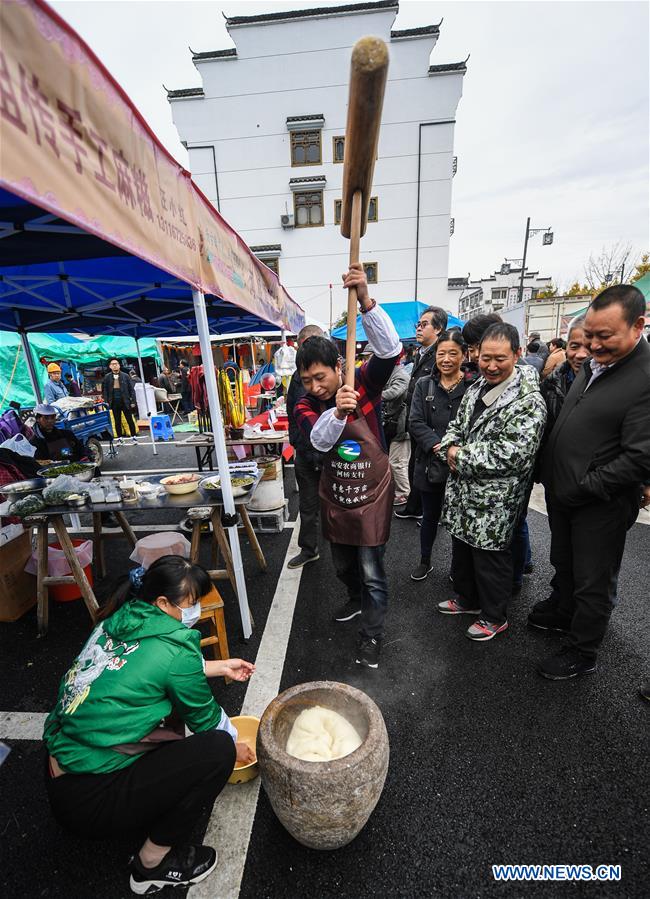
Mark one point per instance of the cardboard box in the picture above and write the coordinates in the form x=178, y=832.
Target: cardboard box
x=17, y=588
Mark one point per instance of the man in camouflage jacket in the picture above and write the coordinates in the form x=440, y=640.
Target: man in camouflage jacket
x=493, y=440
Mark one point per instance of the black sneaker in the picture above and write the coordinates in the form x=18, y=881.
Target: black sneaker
x=349, y=611
x=420, y=573
x=565, y=664
x=405, y=513
x=303, y=558
x=547, y=618
x=180, y=867
x=368, y=649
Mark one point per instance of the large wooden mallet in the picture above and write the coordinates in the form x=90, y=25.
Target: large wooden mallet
x=368, y=71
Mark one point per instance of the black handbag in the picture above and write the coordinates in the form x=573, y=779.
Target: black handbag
x=435, y=469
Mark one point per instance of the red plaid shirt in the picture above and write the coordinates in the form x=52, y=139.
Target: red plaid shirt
x=369, y=381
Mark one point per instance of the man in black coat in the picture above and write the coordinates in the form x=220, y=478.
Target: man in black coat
x=307, y=468
x=119, y=394
x=594, y=467
x=432, y=322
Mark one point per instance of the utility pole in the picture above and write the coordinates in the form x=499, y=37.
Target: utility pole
x=330, y=310
x=546, y=241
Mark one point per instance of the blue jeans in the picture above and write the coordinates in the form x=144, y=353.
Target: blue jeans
x=361, y=569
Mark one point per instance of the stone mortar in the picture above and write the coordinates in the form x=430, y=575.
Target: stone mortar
x=323, y=805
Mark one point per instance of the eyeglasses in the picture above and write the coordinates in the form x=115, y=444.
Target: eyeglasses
x=422, y=324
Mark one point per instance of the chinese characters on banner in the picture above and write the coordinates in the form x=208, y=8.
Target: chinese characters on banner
x=73, y=144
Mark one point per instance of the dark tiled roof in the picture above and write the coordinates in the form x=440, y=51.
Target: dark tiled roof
x=449, y=67
x=305, y=118
x=456, y=282
x=306, y=179
x=185, y=92
x=416, y=32
x=266, y=248
x=215, y=54
x=309, y=13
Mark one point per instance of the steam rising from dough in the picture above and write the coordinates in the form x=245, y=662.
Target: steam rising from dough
x=321, y=735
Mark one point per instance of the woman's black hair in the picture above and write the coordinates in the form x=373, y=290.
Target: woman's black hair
x=558, y=342
x=502, y=331
x=455, y=336
x=314, y=351
x=170, y=576
x=115, y=359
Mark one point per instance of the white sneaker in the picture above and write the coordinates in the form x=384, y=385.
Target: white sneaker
x=134, y=440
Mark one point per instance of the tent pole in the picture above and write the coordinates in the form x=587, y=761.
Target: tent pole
x=36, y=387
x=146, y=398
x=222, y=455
x=253, y=356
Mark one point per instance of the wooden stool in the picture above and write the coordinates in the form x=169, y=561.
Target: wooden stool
x=212, y=612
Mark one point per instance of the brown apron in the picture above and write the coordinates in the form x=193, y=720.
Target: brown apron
x=356, y=489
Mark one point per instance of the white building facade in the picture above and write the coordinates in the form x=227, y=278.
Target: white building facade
x=498, y=292
x=265, y=136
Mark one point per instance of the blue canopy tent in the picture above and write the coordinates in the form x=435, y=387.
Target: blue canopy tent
x=404, y=316
x=102, y=231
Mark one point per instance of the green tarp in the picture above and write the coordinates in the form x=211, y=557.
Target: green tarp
x=14, y=377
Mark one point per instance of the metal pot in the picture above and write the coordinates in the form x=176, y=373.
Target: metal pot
x=18, y=489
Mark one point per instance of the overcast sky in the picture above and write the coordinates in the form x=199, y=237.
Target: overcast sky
x=553, y=123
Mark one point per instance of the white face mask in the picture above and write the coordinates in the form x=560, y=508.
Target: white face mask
x=191, y=615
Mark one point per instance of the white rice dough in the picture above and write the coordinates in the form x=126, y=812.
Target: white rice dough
x=321, y=735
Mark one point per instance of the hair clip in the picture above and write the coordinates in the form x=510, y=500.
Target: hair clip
x=136, y=575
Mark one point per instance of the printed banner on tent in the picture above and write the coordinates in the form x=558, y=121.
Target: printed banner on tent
x=74, y=144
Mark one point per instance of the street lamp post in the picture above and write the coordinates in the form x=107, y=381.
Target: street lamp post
x=546, y=241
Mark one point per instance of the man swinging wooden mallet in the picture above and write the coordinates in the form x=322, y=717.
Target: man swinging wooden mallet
x=343, y=419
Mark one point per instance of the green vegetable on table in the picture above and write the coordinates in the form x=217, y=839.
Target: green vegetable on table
x=26, y=506
x=72, y=468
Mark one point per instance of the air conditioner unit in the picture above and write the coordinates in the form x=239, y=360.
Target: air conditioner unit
x=286, y=220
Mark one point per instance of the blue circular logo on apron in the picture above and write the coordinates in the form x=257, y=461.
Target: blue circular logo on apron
x=349, y=450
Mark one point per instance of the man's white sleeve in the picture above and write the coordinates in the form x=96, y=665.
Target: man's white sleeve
x=327, y=431
x=383, y=339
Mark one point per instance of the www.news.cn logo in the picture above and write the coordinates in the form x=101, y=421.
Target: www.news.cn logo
x=556, y=872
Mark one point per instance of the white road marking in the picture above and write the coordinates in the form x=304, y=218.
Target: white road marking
x=231, y=821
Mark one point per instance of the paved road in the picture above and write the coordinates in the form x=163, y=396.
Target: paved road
x=489, y=763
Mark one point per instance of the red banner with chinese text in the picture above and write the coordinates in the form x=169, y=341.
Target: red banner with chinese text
x=72, y=143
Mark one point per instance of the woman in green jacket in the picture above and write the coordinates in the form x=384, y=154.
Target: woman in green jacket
x=118, y=760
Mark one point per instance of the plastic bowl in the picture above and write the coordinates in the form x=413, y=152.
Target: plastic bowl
x=178, y=489
x=247, y=727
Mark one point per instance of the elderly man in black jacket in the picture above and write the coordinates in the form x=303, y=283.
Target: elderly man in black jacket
x=433, y=321
x=594, y=467
x=307, y=468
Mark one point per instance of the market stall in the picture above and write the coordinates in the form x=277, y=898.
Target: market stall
x=105, y=232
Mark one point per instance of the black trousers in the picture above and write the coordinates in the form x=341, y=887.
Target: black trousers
x=482, y=579
x=308, y=479
x=361, y=569
x=117, y=408
x=162, y=794
x=587, y=544
x=431, y=509
x=414, y=502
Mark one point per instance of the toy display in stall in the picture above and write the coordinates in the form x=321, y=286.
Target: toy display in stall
x=231, y=397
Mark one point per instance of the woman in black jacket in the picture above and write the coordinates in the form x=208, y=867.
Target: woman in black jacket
x=120, y=396
x=435, y=403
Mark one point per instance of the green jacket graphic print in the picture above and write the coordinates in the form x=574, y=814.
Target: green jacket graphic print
x=495, y=463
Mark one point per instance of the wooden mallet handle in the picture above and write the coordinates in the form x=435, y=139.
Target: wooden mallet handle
x=368, y=71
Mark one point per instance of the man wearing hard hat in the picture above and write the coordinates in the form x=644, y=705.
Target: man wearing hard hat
x=55, y=389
